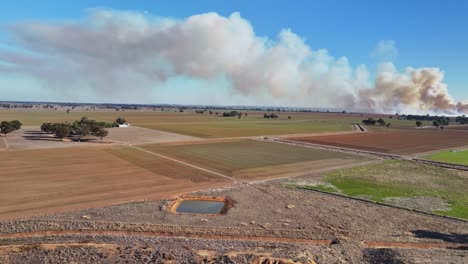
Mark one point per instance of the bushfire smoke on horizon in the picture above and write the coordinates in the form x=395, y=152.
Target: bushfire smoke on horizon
x=124, y=52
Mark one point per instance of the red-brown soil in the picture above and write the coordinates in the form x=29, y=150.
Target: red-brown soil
x=54, y=180
x=400, y=141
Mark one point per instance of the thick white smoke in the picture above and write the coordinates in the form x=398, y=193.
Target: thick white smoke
x=117, y=52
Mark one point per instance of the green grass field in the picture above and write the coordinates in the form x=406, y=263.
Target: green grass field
x=205, y=125
x=458, y=157
x=230, y=157
x=403, y=179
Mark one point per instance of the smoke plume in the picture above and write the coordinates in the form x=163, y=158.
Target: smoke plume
x=118, y=53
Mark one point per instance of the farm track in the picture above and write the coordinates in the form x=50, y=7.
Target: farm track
x=414, y=245
x=372, y=153
x=74, y=228
x=210, y=233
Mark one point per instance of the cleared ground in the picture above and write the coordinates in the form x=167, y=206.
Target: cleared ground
x=451, y=156
x=31, y=137
x=401, y=141
x=406, y=184
x=254, y=159
x=265, y=216
x=2, y=144
x=41, y=181
x=140, y=135
x=206, y=125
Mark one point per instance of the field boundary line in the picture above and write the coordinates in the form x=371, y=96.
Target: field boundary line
x=415, y=245
x=369, y=153
x=185, y=163
x=5, y=143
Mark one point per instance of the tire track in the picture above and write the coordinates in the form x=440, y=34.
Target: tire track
x=56, y=233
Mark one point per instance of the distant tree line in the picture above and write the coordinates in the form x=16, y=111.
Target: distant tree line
x=7, y=127
x=270, y=115
x=80, y=128
x=372, y=122
x=422, y=117
x=461, y=119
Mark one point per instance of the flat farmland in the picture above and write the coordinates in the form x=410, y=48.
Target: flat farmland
x=250, y=159
x=458, y=127
x=458, y=157
x=2, y=144
x=400, y=141
x=52, y=180
x=206, y=125
x=407, y=184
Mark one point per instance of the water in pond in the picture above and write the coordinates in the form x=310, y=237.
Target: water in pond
x=200, y=207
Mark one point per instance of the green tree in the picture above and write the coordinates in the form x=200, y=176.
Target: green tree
x=16, y=124
x=62, y=130
x=6, y=127
x=381, y=122
x=83, y=131
x=418, y=123
x=101, y=133
x=120, y=121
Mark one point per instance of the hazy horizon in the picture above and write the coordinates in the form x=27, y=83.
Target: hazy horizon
x=131, y=55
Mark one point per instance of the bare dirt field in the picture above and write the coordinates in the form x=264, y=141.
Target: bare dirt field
x=400, y=141
x=140, y=135
x=31, y=137
x=251, y=159
x=268, y=221
x=458, y=127
x=48, y=180
x=2, y=144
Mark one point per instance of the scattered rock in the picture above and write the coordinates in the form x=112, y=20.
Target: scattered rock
x=290, y=206
x=422, y=203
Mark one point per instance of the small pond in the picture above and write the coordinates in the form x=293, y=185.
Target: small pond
x=200, y=207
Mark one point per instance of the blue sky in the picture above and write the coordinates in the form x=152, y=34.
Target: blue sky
x=426, y=33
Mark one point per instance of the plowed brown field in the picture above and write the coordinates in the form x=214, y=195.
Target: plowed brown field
x=400, y=141
x=52, y=180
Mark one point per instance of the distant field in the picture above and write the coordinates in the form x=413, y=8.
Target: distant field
x=254, y=159
x=401, y=141
x=399, y=182
x=459, y=127
x=458, y=157
x=252, y=128
x=44, y=181
x=206, y=125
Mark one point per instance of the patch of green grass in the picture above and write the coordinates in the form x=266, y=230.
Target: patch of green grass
x=458, y=157
x=404, y=179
